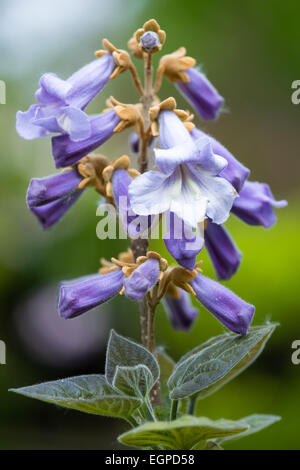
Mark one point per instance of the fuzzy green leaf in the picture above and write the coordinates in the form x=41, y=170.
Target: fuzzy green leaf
x=122, y=352
x=87, y=393
x=183, y=433
x=256, y=423
x=134, y=381
x=211, y=365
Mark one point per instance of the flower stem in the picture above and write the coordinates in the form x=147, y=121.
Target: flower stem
x=136, y=79
x=192, y=404
x=139, y=246
x=174, y=408
x=148, y=411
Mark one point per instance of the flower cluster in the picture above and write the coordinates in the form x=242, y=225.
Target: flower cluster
x=196, y=181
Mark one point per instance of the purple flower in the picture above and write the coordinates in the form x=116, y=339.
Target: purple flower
x=134, y=225
x=62, y=102
x=224, y=254
x=188, y=183
x=83, y=294
x=49, y=198
x=182, y=242
x=134, y=142
x=66, y=152
x=180, y=311
x=227, y=307
x=255, y=204
x=235, y=172
x=142, y=279
x=201, y=94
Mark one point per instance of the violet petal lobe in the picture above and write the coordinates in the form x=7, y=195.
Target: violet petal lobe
x=89, y=81
x=51, y=212
x=142, y=279
x=49, y=198
x=201, y=94
x=227, y=307
x=182, y=242
x=61, y=102
x=223, y=252
x=235, y=172
x=134, y=225
x=42, y=190
x=66, y=152
x=181, y=311
x=255, y=204
x=83, y=294
x=25, y=124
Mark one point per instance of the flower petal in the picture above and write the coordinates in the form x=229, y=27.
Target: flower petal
x=142, y=279
x=66, y=152
x=181, y=242
x=52, y=89
x=201, y=94
x=25, y=124
x=227, y=307
x=51, y=212
x=178, y=147
x=75, y=123
x=218, y=191
x=172, y=131
x=89, y=81
x=135, y=225
x=255, y=204
x=235, y=172
x=42, y=190
x=181, y=312
x=152, y=192
x=224, y=254
x=83, y=294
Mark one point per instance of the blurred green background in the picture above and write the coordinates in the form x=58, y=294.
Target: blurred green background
x=249, y=50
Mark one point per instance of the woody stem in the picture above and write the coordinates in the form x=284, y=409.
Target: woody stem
x=139, y=246
x=155, y=394
x=136, y=79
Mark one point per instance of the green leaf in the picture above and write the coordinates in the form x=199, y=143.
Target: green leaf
x=255, y=422
x=166, y=365
x=87, y=393
x=183, y=433
x=211, y=365
x=123, y=352
x=134, y=381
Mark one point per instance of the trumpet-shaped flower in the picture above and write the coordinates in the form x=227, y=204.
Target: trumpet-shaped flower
x=83, y=294
x=255, y=206
x=61, y=102
x=224, y=254
x=227, y=307
x=87, y=292
x=49, y=198
x=256, y=203
x=201, y=94
x=189, y=183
